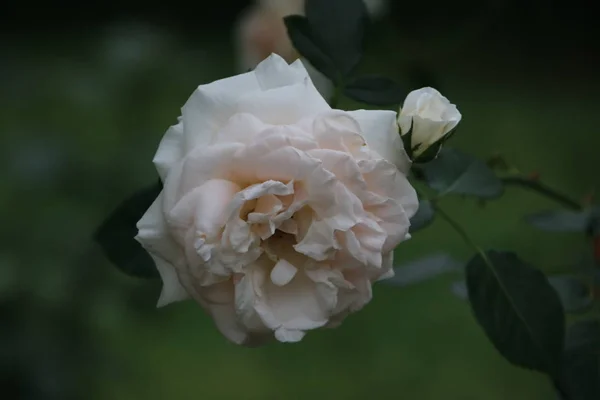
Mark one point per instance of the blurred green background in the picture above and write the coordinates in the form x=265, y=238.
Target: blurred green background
x=84, y=101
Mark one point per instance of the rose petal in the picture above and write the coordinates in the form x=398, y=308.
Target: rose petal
x=197, y=167
x=295, y=306
x=211, y=105
x=204, y=206
x=283, y=273
x=319, y=243
x=274, y=72
x=335, y=130
x=219, y=301
x=172, y=291
x=380, y=130
x=288, y=335
x=240, y=128
x=154, y=236
x=170, y=150
x=284, y=105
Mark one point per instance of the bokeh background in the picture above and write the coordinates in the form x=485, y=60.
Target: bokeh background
x=88, y=89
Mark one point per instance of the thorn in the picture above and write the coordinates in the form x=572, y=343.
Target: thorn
x=534, y=176
x=497, y=161
x=588, y=199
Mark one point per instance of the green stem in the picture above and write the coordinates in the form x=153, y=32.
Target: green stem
x=543, y=190
x=557, y=385
x=459, y=229
x=335, y=98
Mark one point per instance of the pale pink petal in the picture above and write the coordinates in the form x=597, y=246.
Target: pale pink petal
x=240, y=128
x=289, y=335
x=170, y=150
x=172, y=291
x=336, y=130
x=274, y=72
x=343, y=166
x=283, y=272
x=319, y=242
x=200, y=165
x=204, y=206
x=154, y=235
x=380, y=130
x=387, y=269
x=284, y=105
x=384, y=180
x=219, y=301
x=211, y=105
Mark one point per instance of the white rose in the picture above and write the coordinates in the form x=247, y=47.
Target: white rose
x=432, y=117
x=261, y=31
x=277, y=212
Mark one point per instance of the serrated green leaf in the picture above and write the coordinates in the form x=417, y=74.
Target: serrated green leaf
x=562, y=220
x=459, y=173
x=339, y=27
x=574, y=294
x=423, y=218
x=375, y=90
x=422, y=269
x=518, y=309
x=309, y=47
x=116, y=235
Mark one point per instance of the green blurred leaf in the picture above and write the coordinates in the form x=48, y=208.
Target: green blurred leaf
x=375, y=90
x=562, y=220
x=456, y=172
x=574, y=294
x=459, y=289
x=116, y=234
x=518, y=309
x=339, y=26
x=309, y=46
x=581, y=363
x=423, y=269
x=584, y=334
x=424, y=216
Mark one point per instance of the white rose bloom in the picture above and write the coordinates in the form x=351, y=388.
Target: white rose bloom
x=432, y=117
x=277, y=212
x=261, y=31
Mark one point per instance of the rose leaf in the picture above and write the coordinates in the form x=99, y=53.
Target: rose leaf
x=580, y=375
x=339, y=26
x=518, y=310
x=309, y=47
x=460, y=173
x=375, y=90
x=116, y=234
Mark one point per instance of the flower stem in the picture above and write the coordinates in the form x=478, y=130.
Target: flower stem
x=462, y=233
x=544, y=190
x=459, y=229
x=335, y=98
